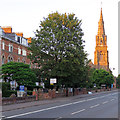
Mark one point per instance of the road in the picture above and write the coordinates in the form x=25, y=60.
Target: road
x=100, y=105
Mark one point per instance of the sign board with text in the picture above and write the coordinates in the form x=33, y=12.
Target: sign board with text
x=22, y=87
x=52, y=81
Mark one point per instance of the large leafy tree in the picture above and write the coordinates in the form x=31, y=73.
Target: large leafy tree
x=89, y=81
x=58, y=48
x=18, y=71
x=102, y=77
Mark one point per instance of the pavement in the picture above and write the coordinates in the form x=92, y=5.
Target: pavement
x=49, y=101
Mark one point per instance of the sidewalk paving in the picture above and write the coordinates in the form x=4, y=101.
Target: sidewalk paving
x=42, y=102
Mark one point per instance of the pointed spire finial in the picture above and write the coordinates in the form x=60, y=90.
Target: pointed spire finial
x=101, y=17
x=101, y=30
x=101, y=4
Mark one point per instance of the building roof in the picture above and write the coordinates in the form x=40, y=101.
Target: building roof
x=9, y=35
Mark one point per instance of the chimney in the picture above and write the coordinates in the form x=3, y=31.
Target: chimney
x=19, y=34
x=7, y=29
x=29, y=39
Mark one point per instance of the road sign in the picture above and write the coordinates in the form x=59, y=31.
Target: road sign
x=111, y=85
x=52, y=81
x=94, y=85
x=22, y=87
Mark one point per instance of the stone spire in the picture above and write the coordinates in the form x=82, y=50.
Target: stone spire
x=101, y=30
x=101, y=60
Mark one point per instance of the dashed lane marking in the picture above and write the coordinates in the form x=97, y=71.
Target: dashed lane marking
x=77, y=111
x=79, y=101
x=58, y=118
x=94, y=106
x=105, y=102
x=112, y=99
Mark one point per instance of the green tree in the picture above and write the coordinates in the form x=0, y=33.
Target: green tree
x=118, y=81
x=102, y=77
x=59, y=48
x=89, y=81
x=18, y=71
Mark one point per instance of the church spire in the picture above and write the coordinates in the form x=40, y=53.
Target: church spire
x=101, y=30
x=101, y=60
x=101, y=17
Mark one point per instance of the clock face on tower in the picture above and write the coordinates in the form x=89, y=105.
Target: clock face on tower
x=101, y=53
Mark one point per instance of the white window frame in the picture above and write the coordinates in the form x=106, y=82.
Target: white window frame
x=10, y=48
x=24, y=52
x=19, y=51
x=3, y=45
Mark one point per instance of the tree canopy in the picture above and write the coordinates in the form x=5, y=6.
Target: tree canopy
x=18, y=71
x=58, y=48
x=102, y=77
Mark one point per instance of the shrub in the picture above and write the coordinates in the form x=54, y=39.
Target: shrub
x=29, y=92
x=5, y=86
x=5, y=89
x=6, y=92
x=12, y=92
x=31, y=87
x=98, y=87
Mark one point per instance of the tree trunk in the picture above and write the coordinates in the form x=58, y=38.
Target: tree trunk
x=73, y=91
x=67, y=92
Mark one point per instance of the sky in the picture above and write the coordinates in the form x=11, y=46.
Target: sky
x=25, y=16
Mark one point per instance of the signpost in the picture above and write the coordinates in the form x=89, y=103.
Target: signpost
x=94, y=85
x=52, y=81
x=37, y=83
x=13, y=85
x=22, y=88
x=111, y=85
x=21, y=91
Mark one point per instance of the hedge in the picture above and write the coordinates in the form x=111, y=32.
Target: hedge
x=5, y=89
x=29, y=92
x=8, y=93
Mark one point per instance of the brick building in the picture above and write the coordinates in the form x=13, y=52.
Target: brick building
x=14, y=47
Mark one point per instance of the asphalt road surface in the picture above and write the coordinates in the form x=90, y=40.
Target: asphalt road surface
x=100, y=105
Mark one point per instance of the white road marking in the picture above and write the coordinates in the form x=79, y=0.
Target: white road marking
x=114, y=93
x=38, y=110
x=105, y=102
x=77, y=112
x=92, y=98
x=58, y=118
x=112, y=99
x=79, y=101
x=94, y=106
x=58, y=107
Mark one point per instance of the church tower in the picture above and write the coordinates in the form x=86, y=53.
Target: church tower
x=101, y=54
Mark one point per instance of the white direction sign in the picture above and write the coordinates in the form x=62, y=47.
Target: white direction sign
x=53, y=80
